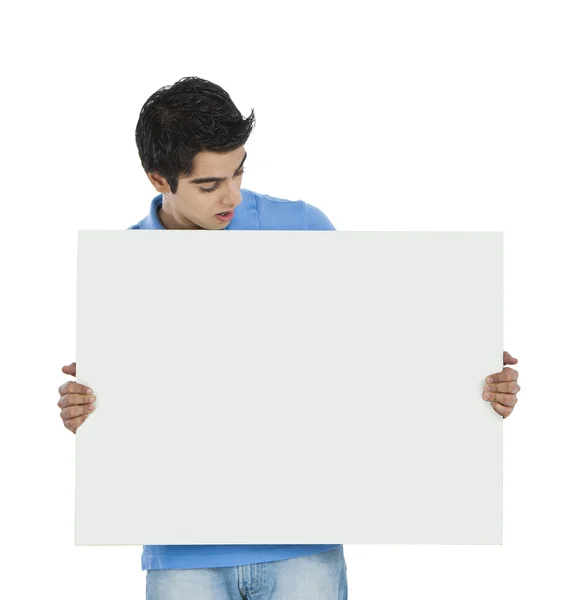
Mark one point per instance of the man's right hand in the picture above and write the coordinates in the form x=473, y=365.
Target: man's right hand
x=75, y=400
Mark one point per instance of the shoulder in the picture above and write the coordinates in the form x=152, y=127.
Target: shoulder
x=280, y=213
x=316, y=219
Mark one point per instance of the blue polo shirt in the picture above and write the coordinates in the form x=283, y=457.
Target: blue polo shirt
x=256, y=211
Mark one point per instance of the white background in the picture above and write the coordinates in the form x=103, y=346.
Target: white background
x=387, y=116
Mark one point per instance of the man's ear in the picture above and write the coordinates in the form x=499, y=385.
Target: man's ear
x=159, y=183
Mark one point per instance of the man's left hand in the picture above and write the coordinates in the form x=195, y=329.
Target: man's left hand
x=501, y=388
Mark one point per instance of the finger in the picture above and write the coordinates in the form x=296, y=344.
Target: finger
x=504, y=411
x=72, y=387
x=505, y=387
x=70, y=369
x=73, y=424
x=75, y=399
x=77, y=410
x=505, y=399
x=507, y=374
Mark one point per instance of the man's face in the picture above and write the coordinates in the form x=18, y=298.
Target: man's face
x=196, y=203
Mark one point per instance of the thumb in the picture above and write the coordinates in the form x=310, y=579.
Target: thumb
x=70, y=369
x=508, y=359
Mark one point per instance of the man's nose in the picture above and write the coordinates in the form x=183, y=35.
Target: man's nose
x=234, y=196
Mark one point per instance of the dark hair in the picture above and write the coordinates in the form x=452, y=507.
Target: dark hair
x=190, y=116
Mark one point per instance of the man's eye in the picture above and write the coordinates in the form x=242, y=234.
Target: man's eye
x=215, y=187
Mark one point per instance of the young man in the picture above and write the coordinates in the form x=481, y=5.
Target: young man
x=190, y=138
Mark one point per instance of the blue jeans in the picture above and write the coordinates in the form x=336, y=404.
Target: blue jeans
x=319, y=576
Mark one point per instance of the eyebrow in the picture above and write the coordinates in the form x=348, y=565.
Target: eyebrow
x=209, y=179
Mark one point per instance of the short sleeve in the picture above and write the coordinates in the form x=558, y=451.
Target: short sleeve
x=317, y=220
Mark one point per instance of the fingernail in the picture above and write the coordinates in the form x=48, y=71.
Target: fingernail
x=489, y=380
x=89, y=391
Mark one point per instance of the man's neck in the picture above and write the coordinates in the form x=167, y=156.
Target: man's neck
x=169, y=220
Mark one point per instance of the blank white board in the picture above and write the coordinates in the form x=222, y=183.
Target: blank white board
x=289, y=387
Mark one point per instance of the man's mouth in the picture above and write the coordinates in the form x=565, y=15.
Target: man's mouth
x=225, y=216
